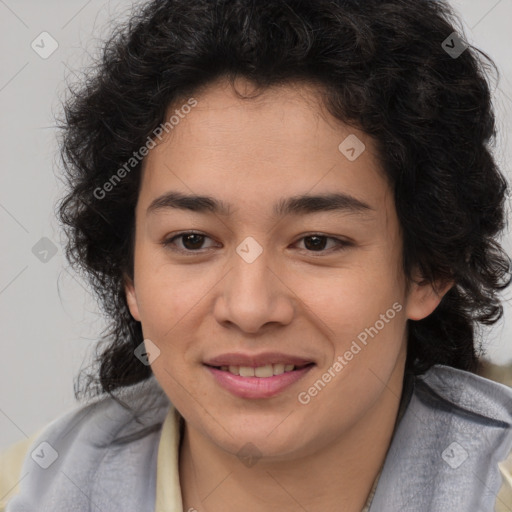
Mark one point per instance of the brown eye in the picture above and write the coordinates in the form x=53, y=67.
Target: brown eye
x=314, y=243
x=318, y=243
x=190, y=242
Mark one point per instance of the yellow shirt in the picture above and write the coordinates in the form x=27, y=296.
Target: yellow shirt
x=168, y=490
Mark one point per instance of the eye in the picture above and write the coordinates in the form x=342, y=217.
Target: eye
x=191, y=241
x=317, y=243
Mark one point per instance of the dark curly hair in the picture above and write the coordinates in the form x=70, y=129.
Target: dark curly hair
x=379, y=65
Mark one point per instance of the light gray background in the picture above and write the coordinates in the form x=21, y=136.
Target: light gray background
x=49, y=319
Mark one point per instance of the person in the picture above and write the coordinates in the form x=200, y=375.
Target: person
x=290, y=213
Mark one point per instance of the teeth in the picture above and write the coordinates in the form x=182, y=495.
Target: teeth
x=278, y=369
x=264, y=371
x=246, y=371
x=261, y=371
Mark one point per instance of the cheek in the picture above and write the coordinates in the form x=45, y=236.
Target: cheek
x=172, y=298
x=164, y=294
x=162, y=303
x=353, y=300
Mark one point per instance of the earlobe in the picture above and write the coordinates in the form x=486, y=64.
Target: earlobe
x=424, y=297
x=131, y=299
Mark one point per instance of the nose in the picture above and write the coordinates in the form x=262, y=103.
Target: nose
x=254, y=294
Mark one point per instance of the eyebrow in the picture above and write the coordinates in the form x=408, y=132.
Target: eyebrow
x=295, y=205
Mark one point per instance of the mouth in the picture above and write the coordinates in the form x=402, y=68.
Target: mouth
x=257, y=379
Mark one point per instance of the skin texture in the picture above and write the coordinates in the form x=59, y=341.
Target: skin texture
x=293, y=299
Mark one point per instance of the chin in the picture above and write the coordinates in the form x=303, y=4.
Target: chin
x=260, y=440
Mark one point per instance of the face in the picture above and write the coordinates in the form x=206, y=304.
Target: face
x=288, y=274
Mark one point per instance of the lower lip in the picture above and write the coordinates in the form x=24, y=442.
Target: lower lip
x=257, y=387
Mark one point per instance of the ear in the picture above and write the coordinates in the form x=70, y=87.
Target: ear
x=424, y=297
x=131, y=298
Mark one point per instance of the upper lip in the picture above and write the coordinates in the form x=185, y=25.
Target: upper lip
x=255, y=360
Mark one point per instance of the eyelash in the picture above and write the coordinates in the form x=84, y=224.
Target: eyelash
x=342, y=244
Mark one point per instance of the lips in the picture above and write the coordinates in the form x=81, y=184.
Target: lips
x=257, y=376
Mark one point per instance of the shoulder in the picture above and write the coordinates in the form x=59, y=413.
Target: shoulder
x=472, y=393
x=79, y=444
x=486, y=401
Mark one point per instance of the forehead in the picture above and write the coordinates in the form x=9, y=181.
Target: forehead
x=281, y=117
x=258, y=148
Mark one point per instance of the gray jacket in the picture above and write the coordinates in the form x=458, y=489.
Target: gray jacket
x=454, y=430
